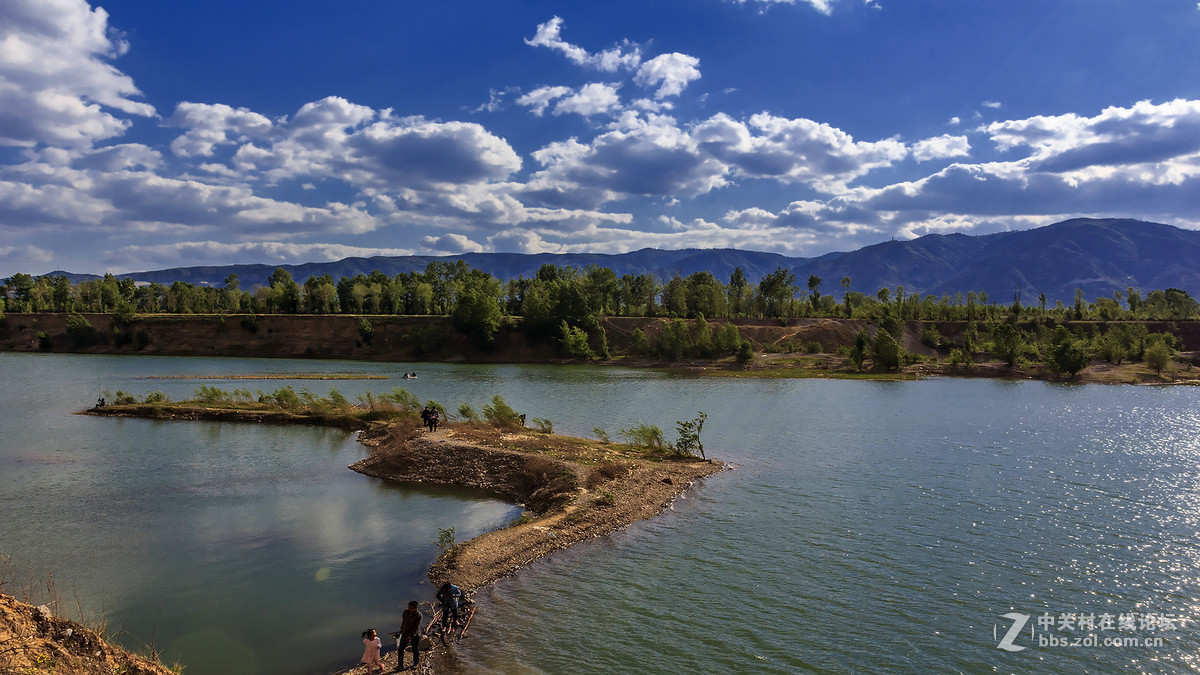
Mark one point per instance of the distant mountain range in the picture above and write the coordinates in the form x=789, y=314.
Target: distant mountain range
x=1096, y=255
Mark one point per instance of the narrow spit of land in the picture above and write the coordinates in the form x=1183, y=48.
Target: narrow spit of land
x=573, y=489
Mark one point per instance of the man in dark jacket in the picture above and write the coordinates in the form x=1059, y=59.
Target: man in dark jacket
x=410, y=633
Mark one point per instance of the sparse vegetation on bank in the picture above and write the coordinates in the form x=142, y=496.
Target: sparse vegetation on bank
x=37, y=636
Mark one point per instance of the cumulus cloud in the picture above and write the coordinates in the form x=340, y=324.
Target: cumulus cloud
x=625, y=57
x=210, y=125
x=591, y=99
x=451, y=244
x=56, y=85
x=794, y=150
x=669, y=72
x=642, y=155
x=333, y=138
x=1144, y=133
x=941, y=147
x=539, y=99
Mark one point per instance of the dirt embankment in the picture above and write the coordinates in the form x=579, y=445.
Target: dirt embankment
x=573, y=490
x=33, y=640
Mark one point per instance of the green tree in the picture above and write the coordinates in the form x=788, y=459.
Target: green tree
x=775, y=292
x=674, y=340
x=1157, y=356
x=285, y=292
x=1008, y=344
x=1068, y=354
x=727, y=339
x=888, y=353
x=477, y=312
x=573, y=342
x=639, y=345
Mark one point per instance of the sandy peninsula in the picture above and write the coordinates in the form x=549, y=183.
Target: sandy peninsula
x=573, y=490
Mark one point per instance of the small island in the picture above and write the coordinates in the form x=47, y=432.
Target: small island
x=572, y=489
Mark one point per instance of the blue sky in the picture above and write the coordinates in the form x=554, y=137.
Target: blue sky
x=142, y=135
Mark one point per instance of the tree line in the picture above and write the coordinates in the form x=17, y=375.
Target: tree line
x=566, y=305
x=563, y=292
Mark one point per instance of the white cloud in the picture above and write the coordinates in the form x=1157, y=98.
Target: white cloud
x=333, y=138
x=626, y=57
x=941, y=147
x=794, y=150
x=822, y=6
x=141, y=257
x=210, y=125
x=642, y=155
x=23, y=256
x=539, y=99
x=591, y=99
x=56, y=85
x=451, y=244
x=669, y=72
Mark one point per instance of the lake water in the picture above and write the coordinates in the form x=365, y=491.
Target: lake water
x=865, y=527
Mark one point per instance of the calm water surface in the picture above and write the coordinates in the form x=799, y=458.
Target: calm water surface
x=866, y=527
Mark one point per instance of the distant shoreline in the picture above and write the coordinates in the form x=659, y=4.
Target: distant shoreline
x=794, y=348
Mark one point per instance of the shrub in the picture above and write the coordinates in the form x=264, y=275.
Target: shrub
x=466, y=412
x=500, y=414
x=1157, y=356
x=639, y=345
x=689, y=443
x=402, y=399
x=601, y=434
x=727, y=339
x=366, y=329
x=445, y=541
x=573, y=342
x=930, y=337
x=543, y=425
x=646, y=436
x=157, y=397
x=284, y=397
x=888, y=354
x=813, y=347
x=338, y=401
x=439, y=409
x=81, y=332
x=250, y=322
x=745, y=351
x=121, y=397
x=210, y=394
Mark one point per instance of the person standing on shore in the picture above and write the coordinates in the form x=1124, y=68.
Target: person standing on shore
x=410, y=633
x=371, y=647
x=449, y=594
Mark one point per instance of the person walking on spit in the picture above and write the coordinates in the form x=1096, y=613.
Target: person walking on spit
x=410, y=633
x=425, y=415
x=434, y=418
x=449, y=594
x=371, y=647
